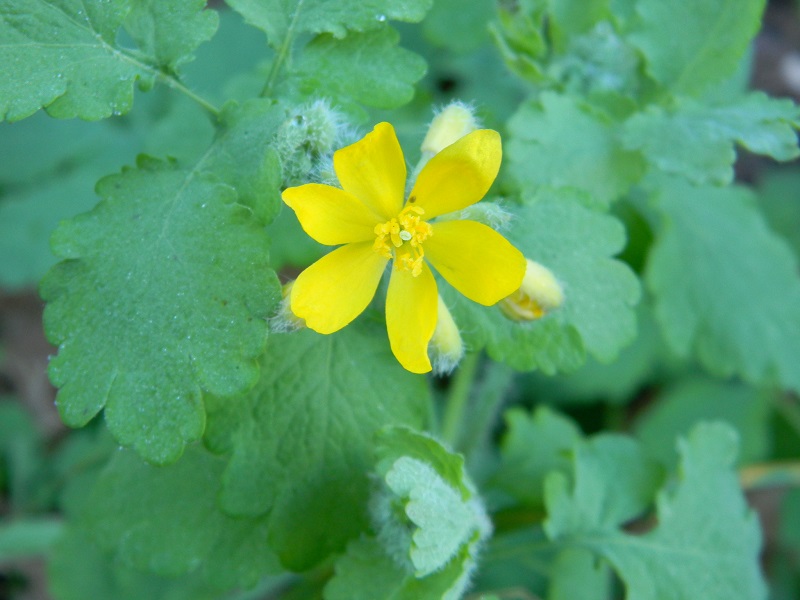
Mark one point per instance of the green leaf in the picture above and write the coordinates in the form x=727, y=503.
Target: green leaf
x=646, y=359
x=63, y=55
x=533, y=446
x=575, y=242
x=779, y=198
x=613, y=483
x=165, y=520
x=456, y=29
x=164, y=292
x=572, y=17
x=429, y=525
x=47, y=45
x=397, y=442
x=576, y=573
x=74, y=155
x=280, y=19
x=78, y=570
x=696, y=140
x=169, y=31
x=27, y=218
x=706, y=543
x=561, y=142
x=302, y=443
x=366, y=572
x=243, y=157
x=681, y=406
x=339, y=68
x=691, y=46
x=738, y=305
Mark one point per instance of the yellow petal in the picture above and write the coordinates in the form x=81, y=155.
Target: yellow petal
x=338, y=287
x=374, y=171
x=459, y=175
x=476, y=260
x=330, y=215
x=411, y=308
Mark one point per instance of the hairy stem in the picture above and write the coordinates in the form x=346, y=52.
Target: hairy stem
x=283, y=52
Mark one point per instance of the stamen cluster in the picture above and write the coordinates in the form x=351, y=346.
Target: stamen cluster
x=405, y=232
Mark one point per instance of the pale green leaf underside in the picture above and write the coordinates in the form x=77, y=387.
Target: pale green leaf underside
x=428, y=526
x=689, y=46
x=173, y=303
x=301, y=441
x=576, y=243
x=738, y=305
x=282, y=18
x=706, y=543
x=63, y=55
x=558, y=141
x=697, y=141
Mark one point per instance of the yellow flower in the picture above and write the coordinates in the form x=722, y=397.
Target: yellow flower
x=369, y=217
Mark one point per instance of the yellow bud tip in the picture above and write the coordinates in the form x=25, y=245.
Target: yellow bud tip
x=539, y=294
x=446, y=348
x=450, y=125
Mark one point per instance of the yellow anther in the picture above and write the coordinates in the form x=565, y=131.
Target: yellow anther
x=406, y=232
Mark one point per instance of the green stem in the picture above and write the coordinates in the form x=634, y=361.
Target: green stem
x=283, y=52
x=28, y=537
x=492, y=395
x=457, y=399
x=178, y=86
x=789, y=410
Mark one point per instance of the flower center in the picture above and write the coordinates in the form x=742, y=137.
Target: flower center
x=404, y=234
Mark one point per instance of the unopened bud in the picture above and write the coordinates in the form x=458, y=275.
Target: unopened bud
x=454, y=122
x=285, y=320
x=539, y=294
x=446, y=348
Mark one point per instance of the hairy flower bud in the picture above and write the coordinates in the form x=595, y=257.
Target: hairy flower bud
x=446, y=348
x=539, y=294
x=285, y=320
x=454, y=122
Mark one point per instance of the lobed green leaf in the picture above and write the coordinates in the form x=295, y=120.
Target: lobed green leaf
x=301, y=440
x=575, y=242
x=163, y=294
x=166, y=520
x=63, y=55
x=738, y=306
x=689, y=46
x=696, y=140
x=281, y=19
x=706, y=543
x=560, y=141
x=368, y=68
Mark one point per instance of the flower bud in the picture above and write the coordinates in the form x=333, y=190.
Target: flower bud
x=285, y=320
x=307, y=137
x=454, y=122
x=446, y=348
x=539, y=294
